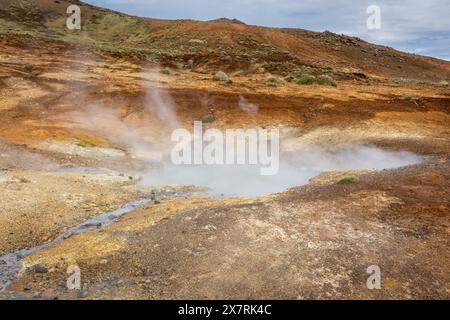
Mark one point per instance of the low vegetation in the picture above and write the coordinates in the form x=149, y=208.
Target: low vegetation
x=410, y=98
x=305, y=79
x=348, y=180
x=209, y=118
x=271, y=79
x=221, y=76
x=308, y=79
x=86, y=143
x=326, y=81
x=178, y=65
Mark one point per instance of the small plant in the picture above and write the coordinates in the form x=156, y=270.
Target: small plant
x=86, y=143
x=410, y=98
x=326, y=81
x=348, y=180
x=178, y=65
x=305, y=79
x=221, y=76
x=289, y=78
x=209, y=118
x=271, y=79
x=307, y=70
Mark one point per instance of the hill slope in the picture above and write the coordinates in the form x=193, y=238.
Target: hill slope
x=227, y=44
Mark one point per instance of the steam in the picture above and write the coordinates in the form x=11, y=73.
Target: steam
x=296, y=168
x=148, y=141
x=108, y=123
x=138, y=140
x=160, y=104
x=246, y=106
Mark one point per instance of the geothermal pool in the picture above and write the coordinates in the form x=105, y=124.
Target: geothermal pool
x=295, y=168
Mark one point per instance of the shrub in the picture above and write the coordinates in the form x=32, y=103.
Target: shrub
x=85, y=143
x=348, y=180
x=410, y=98
x=289, y=78
x=178, y=65
x=326, y=80
x=271, y=79
x=305, y=79
x=24, y=180
x=209, y=118
x=307, y=70
x=221, y=76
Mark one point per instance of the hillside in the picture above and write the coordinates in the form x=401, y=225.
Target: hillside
x=220, y=44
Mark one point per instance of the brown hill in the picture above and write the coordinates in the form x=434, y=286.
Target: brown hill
x=219, y=44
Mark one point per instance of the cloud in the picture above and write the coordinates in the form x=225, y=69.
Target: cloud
x=416, y=26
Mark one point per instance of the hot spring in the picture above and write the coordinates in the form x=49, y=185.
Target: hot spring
x=296, y=168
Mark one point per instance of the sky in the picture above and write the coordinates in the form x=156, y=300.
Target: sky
x=416, y=26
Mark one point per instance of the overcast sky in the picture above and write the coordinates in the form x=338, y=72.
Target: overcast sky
x=418, y=26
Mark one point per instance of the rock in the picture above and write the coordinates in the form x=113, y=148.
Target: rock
x=199, y=41
x=28, y=287
x=40, y=269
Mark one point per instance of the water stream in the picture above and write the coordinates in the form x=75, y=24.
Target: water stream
x=10, y=264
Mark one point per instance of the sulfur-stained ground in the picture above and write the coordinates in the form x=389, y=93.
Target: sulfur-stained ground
x=310, y=242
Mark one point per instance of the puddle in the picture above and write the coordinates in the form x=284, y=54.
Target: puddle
x=295, y=168
x=10, y=264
